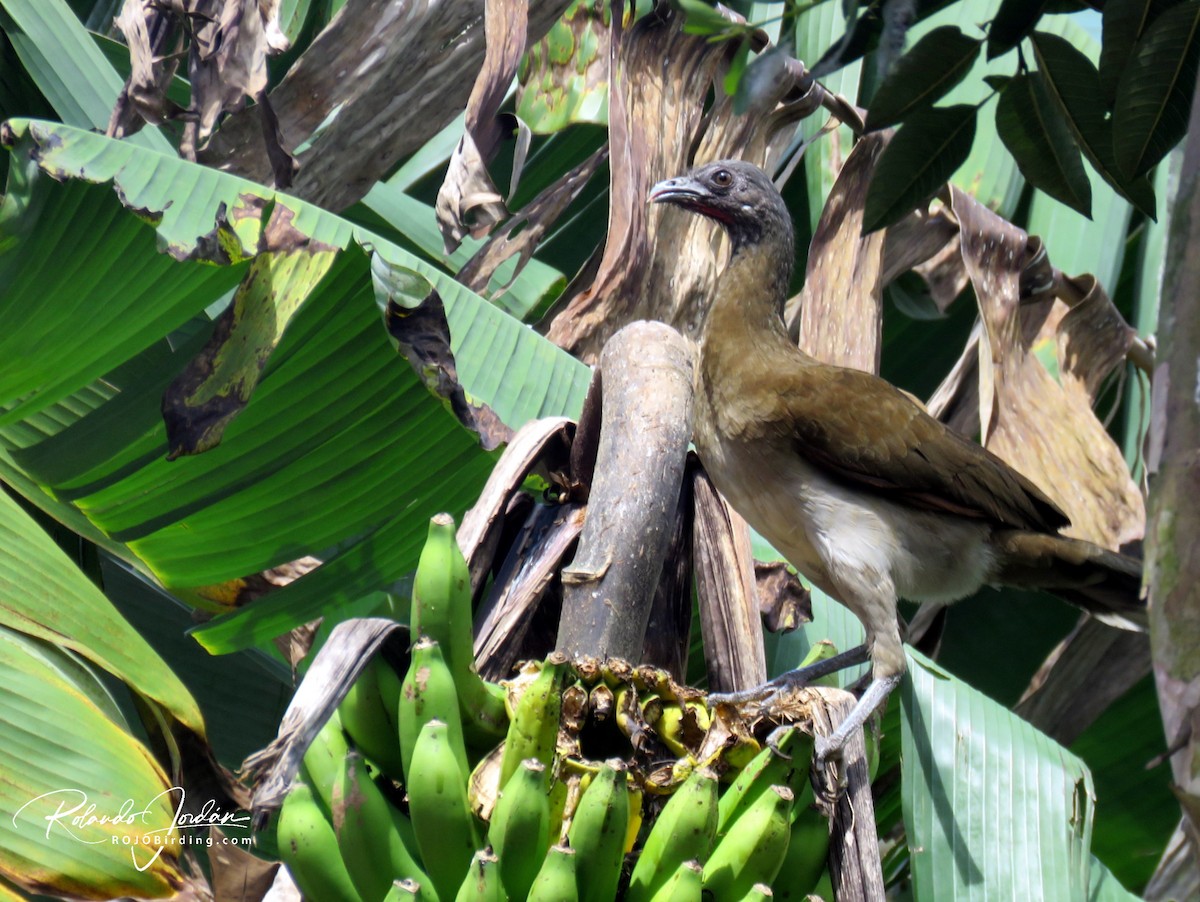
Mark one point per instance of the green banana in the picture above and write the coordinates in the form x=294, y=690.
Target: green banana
x=482, y=883
x=556, y=880
x=369, y=720
x=820, y=651
x=437, y=801
x=684, y=884
x=597, y=833
x=441, y=610
x=685, y=829
x=753, y=852
x=760, y=892
x=808, y=848
x=323, y=759
x=309, y=848
x=787, y=764
x=370, y=842
x=533, y=732
x=410, y=891
x=520, y=828
x=428, y=693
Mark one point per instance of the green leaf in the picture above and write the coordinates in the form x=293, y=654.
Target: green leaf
x=939, y=61
x=1014, y=20
x=1154, y=95
x=1125, y=21
x=988, y=800
x=737, y=65
x=925, y=152
x=702, y=18
x=44, y=595
x=68, y=67
x=564, y=76
x=61, y=752
x=1074, y=84
x=1034, y=133
x=327, y=451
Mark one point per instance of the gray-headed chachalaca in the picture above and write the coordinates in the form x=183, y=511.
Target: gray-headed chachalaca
x=853, y=482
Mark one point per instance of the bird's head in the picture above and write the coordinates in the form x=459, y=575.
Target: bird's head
x=738, y=195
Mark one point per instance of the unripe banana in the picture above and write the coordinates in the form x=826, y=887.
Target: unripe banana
x=787, y=764
x=685, y=884
x=808, y=848
x=520, y=828
x=482, y=883
x=369, y=721
x=323, y=759
x=597, y=833
x=428, y=693
x=533, y=732
x=754, y=850
x=634, y=825
x=371, y=845
x=556, y=880
x=685, y=829
x=760, y=892
x=410, y=891
x=441, y=610
x=309, y=848
x=437, y=800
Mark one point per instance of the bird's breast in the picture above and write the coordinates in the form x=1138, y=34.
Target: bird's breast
x=851, y=543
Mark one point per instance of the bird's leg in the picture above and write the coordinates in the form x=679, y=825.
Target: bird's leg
x=794, y=679
x=831, y=746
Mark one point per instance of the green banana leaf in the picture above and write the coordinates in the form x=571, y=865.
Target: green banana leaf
x=65, y=740
x=323, y=458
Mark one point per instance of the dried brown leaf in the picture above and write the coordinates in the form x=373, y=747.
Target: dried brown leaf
x=468, y=202
x=659, y=265
x=532, y=222
x=726, y=592
x=840, y=309
x=785, y=603
x=380, y=80
x=154, y=39
x=1045, y=429
x=422, y=335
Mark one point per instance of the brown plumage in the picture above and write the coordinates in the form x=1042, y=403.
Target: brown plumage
x=852, y=481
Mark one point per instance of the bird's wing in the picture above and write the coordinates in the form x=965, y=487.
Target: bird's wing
x=864, y=431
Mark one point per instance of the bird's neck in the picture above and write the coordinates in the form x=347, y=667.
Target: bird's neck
x=746, y=314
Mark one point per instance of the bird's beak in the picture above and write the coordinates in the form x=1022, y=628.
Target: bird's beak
x=682, y=190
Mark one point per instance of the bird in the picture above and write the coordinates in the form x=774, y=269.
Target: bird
x=864, y=492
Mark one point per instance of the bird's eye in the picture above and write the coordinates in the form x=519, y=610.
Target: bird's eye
x=722, y=178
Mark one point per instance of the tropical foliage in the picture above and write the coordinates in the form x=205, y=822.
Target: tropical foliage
x=230, y=393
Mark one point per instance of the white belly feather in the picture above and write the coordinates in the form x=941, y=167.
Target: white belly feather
x=850, y=543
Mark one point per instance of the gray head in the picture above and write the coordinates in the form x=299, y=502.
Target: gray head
x=738, y=195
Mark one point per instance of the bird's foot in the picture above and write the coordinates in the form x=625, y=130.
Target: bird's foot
x=793, y=679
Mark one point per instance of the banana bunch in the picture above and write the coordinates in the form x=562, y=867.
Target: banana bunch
x=581, y=781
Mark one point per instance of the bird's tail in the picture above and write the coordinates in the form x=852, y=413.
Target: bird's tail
x=1103, y=582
